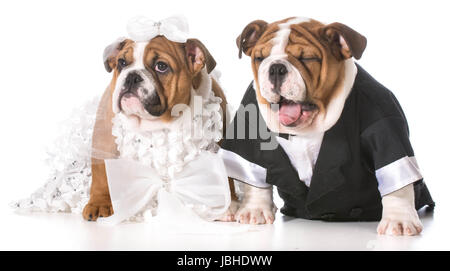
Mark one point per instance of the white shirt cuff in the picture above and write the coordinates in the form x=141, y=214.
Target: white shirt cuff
x=397, y=175
x=243, y=170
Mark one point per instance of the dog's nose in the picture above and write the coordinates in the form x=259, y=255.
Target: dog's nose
x=277, y=73
x=132, y=79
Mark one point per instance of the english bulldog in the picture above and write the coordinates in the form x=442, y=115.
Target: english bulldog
x=149, y=79
x=343, y=151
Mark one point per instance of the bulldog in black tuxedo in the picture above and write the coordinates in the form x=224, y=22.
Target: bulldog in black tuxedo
x=343, y=151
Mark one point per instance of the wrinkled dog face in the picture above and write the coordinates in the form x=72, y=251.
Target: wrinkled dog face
x=280, y=81
x=152, y=77
x=297, y=64
x=135, y=92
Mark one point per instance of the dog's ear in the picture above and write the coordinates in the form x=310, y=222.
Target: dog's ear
x=110, y=53
x=249, y=36
x=198, y=56
x=345, y=41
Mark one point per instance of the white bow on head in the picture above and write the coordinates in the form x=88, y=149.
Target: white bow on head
x=174, y=28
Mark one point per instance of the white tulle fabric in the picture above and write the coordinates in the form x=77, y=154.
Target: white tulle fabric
x=69, y=160
x=173, y=28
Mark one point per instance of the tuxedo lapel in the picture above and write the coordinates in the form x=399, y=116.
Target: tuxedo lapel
x=282, y=174
x=334, y=153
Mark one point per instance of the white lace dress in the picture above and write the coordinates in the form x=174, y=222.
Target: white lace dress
x=177, y=165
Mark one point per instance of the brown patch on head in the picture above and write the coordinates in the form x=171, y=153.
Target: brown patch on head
x=125, y=56
x=185, y=61
x=321, y=71
x=250, y=36
x=111, y=52
x=172, y=86
x=257, y=33
x=319, y=51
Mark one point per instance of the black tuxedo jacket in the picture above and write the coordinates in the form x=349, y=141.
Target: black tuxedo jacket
x=371, y=132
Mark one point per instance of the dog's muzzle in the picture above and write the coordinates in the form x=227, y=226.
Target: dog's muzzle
x=135, y=95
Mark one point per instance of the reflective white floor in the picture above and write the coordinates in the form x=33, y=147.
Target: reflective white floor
x=69, y=232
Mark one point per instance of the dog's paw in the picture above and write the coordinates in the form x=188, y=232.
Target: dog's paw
x=229, y=215
x=256, y=214
x=404, y=222
x=92, y=211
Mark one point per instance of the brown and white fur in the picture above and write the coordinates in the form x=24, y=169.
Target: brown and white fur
x=149, y=79
x=317, y=70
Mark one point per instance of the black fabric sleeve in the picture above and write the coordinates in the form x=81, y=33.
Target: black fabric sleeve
x=386, y=141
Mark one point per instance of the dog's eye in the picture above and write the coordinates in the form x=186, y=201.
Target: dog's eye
x=121, y=63
x=309, y=59
x=161, y=67
x=259, y=59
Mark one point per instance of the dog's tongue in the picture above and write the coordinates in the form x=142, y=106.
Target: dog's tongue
x=289, y=113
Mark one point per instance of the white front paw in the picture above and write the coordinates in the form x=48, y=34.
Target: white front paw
x=399, y=215
x=250, y=213
x=400, y=222
x=257, y=206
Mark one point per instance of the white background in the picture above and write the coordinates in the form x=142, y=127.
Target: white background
x=51, y=62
